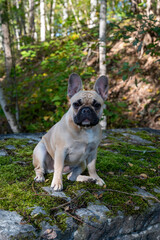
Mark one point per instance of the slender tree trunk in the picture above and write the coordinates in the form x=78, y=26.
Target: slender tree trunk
x=75, y=15
x=53, y=5
x=134, y=6
x=65, y=16
x=31, y=18
x=148, y=7
x=158, y=10
x=102, y=38
x=8, y=65
x=102, y=48
x=93, y=17
x=42, y=17
x=11, y=120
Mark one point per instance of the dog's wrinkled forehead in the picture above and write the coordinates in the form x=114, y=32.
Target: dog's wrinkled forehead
x=87, y=97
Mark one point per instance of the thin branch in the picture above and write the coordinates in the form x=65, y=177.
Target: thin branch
x=130, y=194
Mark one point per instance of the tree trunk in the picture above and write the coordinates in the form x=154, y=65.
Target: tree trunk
x=65, y=16
x=102, y=38
x=102, y=48
x=10, y=118
x=8, y=65
x=53, y=5
x=148, y=7
x=75, y=15
x=93, y=17
x=42, y=17
x=134, y=6
x=158, y=10
x=31, y=18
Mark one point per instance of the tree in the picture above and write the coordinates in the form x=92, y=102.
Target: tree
x=52, y=10
x=102, y=47
x=102, y=38
x=31, y=18
x=93, y=17
x=8, y=66
x=42, y=17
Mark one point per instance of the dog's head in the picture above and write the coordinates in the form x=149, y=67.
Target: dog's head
x=87, y=106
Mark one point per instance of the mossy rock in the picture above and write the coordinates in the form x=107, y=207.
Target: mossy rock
x=124, y=165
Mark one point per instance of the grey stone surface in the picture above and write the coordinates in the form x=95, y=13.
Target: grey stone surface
x=50, y=191
x=38, y=210
x=94, y=223
x=11, y=227
x=3, y=153
x=10, y=147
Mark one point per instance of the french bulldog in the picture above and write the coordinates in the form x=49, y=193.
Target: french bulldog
x=71, y=144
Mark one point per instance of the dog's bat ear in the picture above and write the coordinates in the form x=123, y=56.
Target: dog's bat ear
x=74, y=84
x=101, y=86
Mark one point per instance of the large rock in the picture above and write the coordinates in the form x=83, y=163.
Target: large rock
x=12, y=227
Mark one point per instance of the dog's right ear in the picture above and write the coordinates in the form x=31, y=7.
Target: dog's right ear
x=74, y=84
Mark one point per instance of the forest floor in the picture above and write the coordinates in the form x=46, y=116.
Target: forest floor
x=128, y=161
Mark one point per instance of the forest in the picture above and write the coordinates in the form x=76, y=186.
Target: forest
x=43, y=42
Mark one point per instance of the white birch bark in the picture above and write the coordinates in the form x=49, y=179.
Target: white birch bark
x=93, y=17
x=158, y=10
x=42, y=20
x=53, y=6
x=75, y=15
x=148, y=7
x=65, y=16
x=102, y=49
x=8, y=66
x=102, y=38
x=8, y=115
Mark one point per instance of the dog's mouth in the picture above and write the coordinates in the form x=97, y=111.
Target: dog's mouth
x=86, y=122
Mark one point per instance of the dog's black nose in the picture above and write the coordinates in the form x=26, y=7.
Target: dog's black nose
x=86, y=110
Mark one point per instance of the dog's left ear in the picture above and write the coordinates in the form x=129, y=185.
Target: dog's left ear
x=74, y=84
x=101, y=86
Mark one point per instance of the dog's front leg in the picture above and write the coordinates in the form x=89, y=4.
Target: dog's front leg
x=57, y=183
x=91, y=165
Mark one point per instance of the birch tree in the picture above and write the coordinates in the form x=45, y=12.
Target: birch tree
x=102, y=38
x=102, y=47
x=42, y=19
x=31, y=18
x=8, y=66
x=52, y=11
x=93, y=17
x=65, y=15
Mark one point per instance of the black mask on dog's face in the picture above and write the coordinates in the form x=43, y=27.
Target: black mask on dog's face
x=87, y=106
x=86, y=115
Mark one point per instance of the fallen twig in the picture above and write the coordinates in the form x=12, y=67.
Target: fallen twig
x=130, y=194
x=67, y=203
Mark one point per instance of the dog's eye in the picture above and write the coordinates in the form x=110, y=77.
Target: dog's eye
x=77, y=104
x=96, y=105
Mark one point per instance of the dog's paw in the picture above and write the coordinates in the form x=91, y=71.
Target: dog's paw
x=57, y=185
x=39, y=179
x=100, y=182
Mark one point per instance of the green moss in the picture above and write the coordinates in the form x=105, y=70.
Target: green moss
x=119, y=164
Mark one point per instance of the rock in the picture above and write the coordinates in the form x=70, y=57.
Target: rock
x=157, y=190
x=11, y=227
x=3, y=153
x=10, y=147
x=136, y=139
x=50, y=191
x=37, y=211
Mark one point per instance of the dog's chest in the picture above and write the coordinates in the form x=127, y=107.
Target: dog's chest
x=81, y=149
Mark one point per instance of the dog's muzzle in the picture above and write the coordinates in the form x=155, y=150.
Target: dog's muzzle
x=86, y=117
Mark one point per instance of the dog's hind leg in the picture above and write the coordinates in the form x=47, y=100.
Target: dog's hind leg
x=40, y=157
x=76, y=171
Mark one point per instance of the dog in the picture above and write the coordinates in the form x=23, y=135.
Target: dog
x=71, y=144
